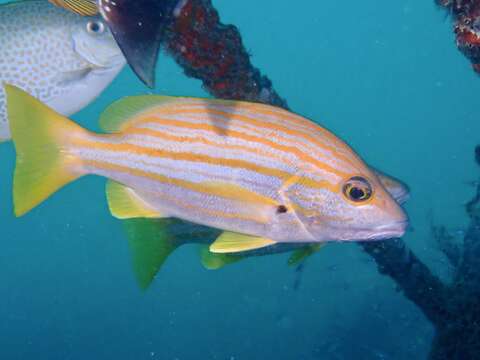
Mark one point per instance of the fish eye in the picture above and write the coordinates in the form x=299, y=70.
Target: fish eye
x=95, y=27
x=357, y=189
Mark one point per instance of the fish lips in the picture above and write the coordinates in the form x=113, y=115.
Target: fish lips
x=389, y=231
x=395, y=229
x=138, y=27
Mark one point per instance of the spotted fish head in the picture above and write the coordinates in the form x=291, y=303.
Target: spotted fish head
x=98, y=59
x=94, y=43
x=356, y=207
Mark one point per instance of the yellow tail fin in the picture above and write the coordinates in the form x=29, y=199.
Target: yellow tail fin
x=40, y=135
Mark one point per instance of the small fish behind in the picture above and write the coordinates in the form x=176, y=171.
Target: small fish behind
x=61, y=58
x=397, y=188
x=261, y=174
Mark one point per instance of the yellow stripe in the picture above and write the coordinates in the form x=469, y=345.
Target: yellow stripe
x=153, y=116
x=235, y=134
x=202, y=188
x=199, y=158
x=223, y=192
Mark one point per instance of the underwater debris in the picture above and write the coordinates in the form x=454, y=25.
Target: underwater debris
x=214, y=53
x=466, y=16
x=449, y=242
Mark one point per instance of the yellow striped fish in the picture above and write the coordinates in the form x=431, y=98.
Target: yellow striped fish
x=262, y=174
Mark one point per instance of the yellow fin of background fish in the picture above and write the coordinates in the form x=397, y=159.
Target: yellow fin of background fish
x=150, y=244
x=303, y=253
x=230, y=242
x=213, y=261
x=124, y=203
x=118, y=115
x=81, y=7
x=42, y=165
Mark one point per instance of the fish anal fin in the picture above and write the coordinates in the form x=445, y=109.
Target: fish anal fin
x=124, y=203
x=230, y=242
x=213, y=261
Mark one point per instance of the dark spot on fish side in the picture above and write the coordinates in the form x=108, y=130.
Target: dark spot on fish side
x=281, y=209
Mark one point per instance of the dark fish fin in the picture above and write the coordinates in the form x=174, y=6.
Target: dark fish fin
x=150, y=245
x=300, y=255
x=138, y=27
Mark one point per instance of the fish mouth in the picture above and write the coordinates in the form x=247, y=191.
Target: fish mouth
x=388, y=231
x=373, y=233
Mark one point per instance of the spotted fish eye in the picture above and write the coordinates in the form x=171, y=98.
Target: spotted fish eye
x=95, y=27
x=357, y=189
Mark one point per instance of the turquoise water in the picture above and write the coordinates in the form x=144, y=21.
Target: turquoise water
x=384, y=76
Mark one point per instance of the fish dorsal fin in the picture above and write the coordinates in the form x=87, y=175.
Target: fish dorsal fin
x=300, y=255
x=118, y=115
x=212, y=261
x=124, y=203
x=81, y=7
x=230, y=242
x=150, y=244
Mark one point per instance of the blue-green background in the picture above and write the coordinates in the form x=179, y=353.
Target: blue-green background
x=383, y=75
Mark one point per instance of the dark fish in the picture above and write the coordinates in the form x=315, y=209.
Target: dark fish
x=137, y=26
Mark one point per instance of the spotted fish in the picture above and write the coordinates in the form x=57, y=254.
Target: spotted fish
x=61, y=58
x=138, y=27
x=261, y=174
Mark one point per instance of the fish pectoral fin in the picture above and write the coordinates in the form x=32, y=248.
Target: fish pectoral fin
x=67, y=79
x=150, y=244
x=250, y=202
x=230, y=242
x=124, y=203
x=236, y=192
x=300, y=255
x=214, y=261
x=81, y=7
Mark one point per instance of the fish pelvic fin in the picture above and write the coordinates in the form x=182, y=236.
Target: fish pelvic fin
x=213, y=261
x=41, y=136
x=230, y=242
x=150, y=243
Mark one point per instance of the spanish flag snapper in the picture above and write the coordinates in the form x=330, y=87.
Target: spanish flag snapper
x=261, y=174
x=151, y=241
